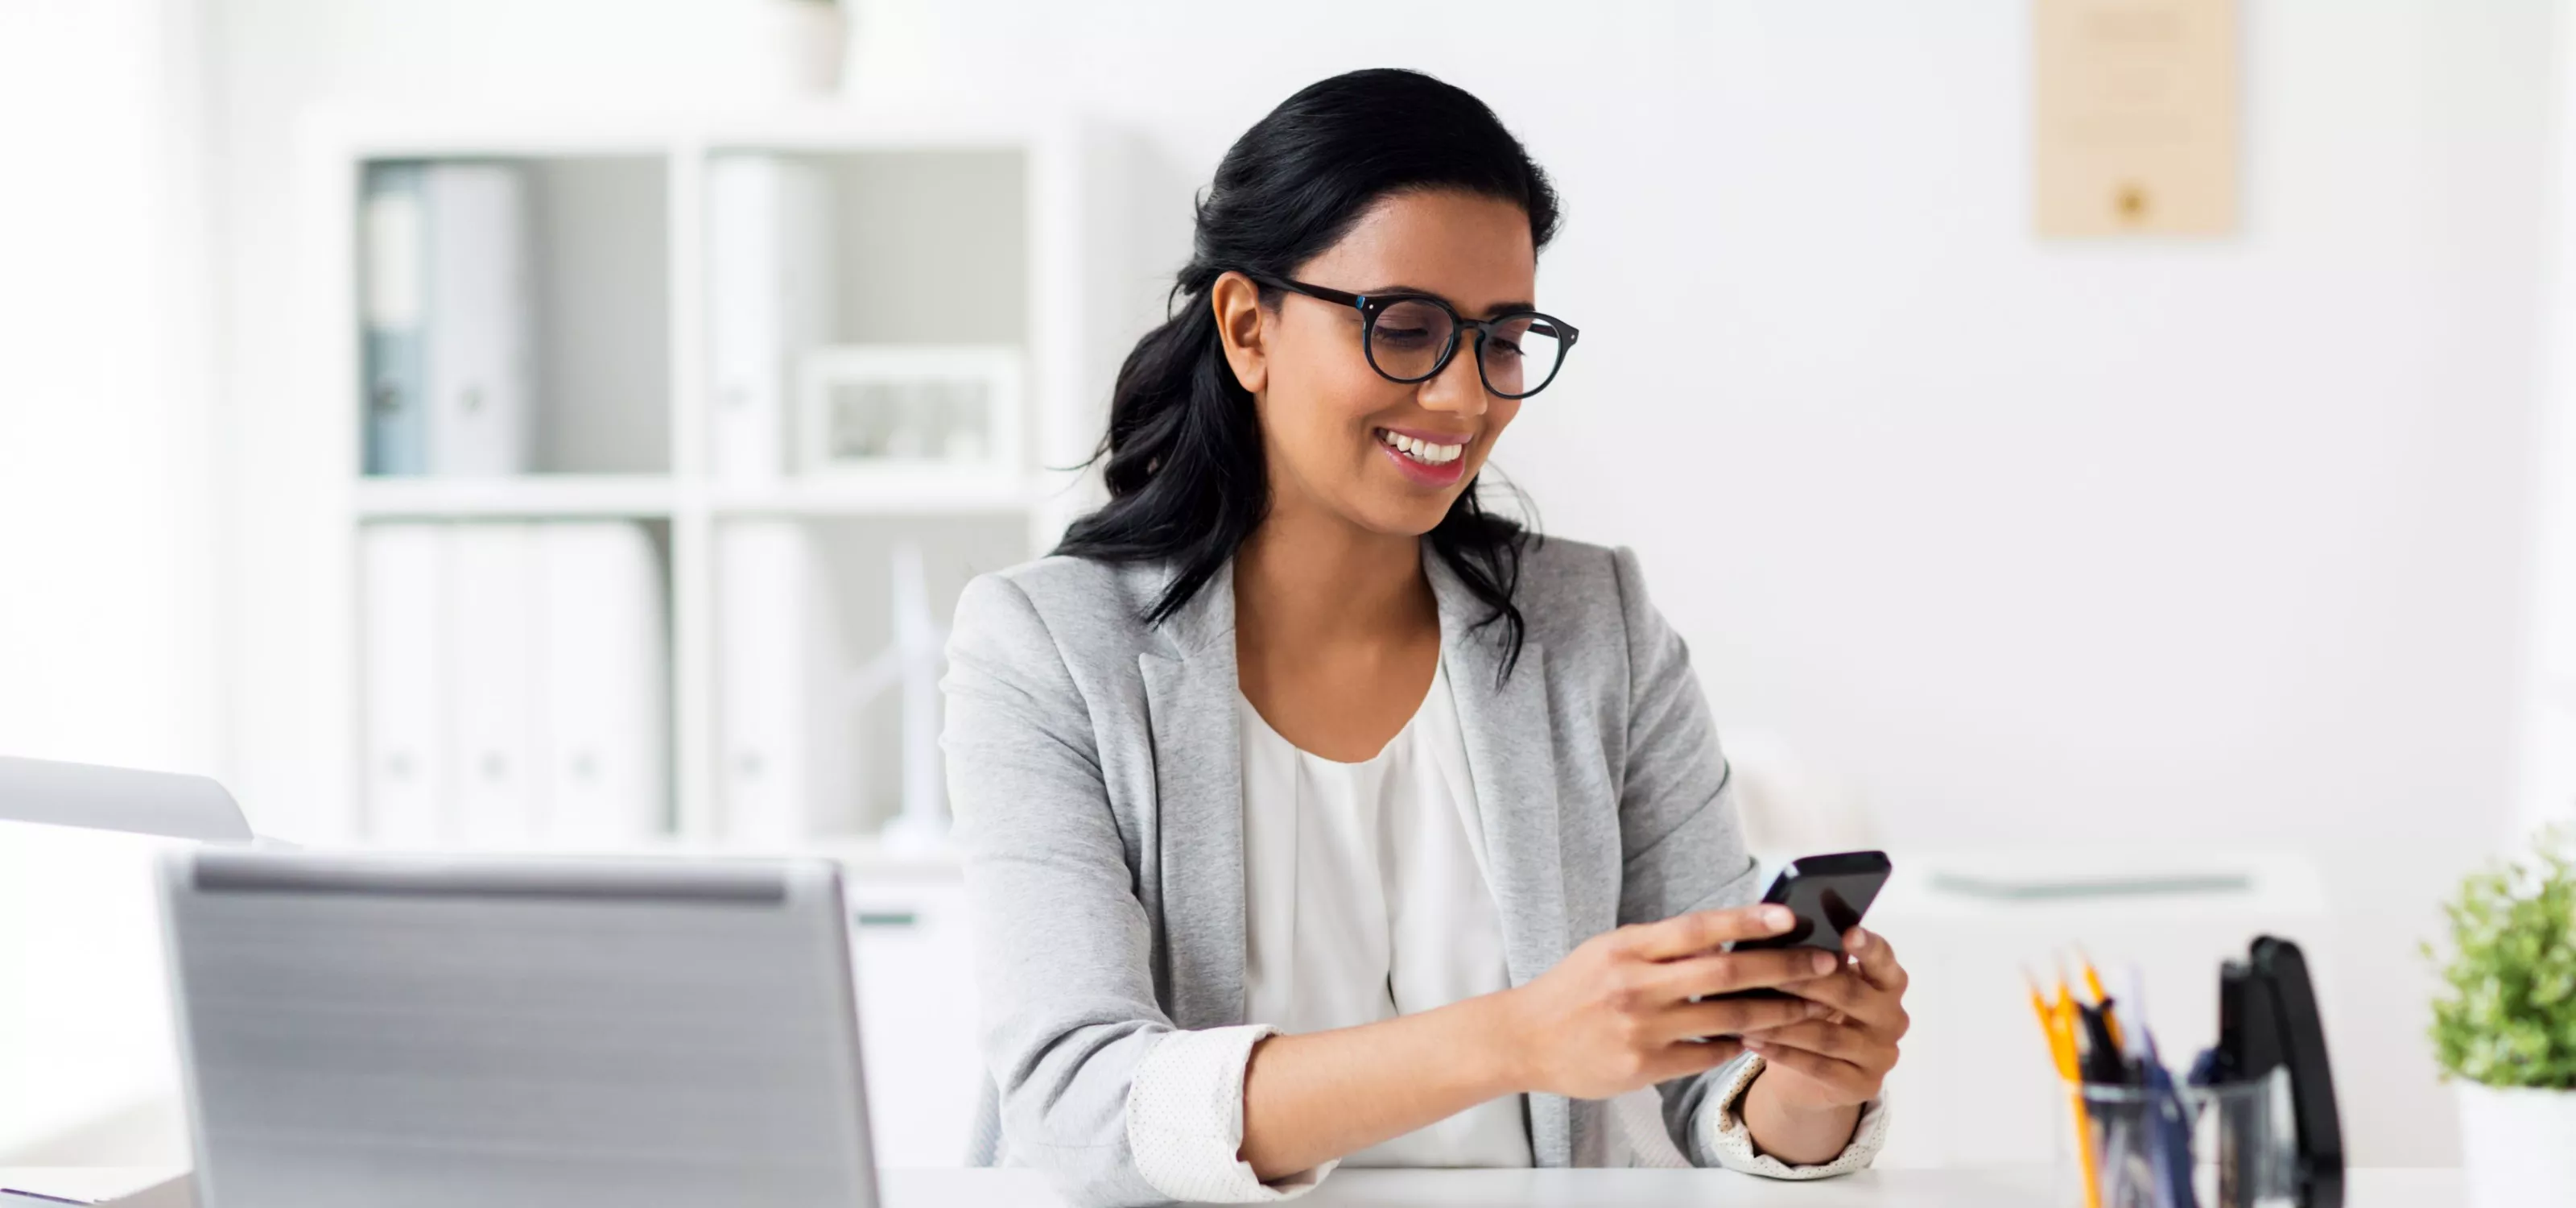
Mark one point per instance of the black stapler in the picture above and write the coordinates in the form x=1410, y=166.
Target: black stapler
x=2267, y=1020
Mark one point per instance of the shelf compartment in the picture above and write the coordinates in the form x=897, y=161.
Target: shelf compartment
x=812, y=253
x=516, y=314
x=808, y=699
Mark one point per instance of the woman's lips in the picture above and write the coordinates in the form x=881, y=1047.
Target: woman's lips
x=1417, y=466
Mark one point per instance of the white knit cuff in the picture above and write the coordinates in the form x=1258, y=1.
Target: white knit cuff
x=1725, y=1141
x=1185, y=1120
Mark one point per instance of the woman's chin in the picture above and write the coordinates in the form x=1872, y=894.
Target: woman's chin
x=1409, y=515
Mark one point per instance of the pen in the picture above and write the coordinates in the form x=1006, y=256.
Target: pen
x=2169, y=1121
x=2103, y=1061
x=2133, y=986
x=2093, y=982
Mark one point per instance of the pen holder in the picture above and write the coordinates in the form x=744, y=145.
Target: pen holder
x=2228, y=1146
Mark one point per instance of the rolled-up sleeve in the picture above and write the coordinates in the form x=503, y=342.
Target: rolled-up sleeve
x=1185, y=1121
x=1719, y=1137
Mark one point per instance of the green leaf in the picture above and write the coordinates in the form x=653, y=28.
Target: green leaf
x=2510, y=1016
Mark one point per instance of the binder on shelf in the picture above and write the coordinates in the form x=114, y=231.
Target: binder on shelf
x=517, y=684
x=478, y=356
x=494, y=706
x=782, y=718
x=605, y=672
x=770, y=264
x=403, y=633
x=392, y=234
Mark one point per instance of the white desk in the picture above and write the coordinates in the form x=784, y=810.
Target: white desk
x=1646, y=1189
x=2002, y=1188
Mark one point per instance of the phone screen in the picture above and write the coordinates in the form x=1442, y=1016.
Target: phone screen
x=1828, y=894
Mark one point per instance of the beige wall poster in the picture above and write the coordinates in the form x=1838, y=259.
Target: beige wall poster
x=2134, y=117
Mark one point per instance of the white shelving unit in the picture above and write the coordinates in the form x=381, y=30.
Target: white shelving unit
x=958, y=229
x=988, y=229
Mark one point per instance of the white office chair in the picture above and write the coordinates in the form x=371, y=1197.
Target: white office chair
x=1791, y=804
x=151, y=1131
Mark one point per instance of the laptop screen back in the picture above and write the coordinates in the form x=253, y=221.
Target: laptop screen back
x=505, y=1031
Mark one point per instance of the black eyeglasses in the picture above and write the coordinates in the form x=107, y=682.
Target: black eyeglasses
x=1410, y=337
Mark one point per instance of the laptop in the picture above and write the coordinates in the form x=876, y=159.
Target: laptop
x=516, y=1031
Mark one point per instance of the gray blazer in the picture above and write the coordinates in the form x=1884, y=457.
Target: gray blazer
x=1093, y=767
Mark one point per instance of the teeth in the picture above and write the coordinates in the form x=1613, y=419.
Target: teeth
x=1421, y=450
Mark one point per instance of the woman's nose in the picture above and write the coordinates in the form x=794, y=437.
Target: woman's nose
x=1458, y=388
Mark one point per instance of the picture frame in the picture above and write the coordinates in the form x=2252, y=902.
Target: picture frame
x=867, y=410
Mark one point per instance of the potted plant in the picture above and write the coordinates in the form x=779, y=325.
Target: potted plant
x=2505, y=1033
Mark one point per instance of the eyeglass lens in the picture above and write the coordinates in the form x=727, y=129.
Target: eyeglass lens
x=1519, y=355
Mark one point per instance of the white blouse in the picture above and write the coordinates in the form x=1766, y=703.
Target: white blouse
x=1366, y=897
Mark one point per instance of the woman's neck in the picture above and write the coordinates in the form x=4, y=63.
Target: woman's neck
x=1336, y=636
x=1303, y=580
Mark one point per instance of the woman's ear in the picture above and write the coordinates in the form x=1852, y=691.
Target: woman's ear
x=1237, y=302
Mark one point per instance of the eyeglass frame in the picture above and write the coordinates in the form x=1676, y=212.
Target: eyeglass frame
x=1371, y=306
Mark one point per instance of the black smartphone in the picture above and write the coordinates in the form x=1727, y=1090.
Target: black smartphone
x=1828, y=894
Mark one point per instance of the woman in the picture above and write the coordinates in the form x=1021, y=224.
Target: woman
x=1315, y=814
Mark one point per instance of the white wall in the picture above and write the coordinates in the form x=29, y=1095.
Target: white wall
x=2110, y=539
x=2220, y=541
x=2549, y=736
x=107, y=628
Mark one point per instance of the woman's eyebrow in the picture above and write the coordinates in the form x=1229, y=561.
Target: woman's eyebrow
x=1500, y=309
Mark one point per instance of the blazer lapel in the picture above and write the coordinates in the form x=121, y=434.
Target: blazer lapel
x=1512, y=763
x=1198, y=790
x=1511, y=760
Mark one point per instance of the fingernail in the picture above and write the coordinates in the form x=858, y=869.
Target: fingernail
x=1824, y=962
x=1859, y=940
x=1815, y=1009
x=1777, y=916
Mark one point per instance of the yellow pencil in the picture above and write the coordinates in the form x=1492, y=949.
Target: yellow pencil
x=2092, y=980
x=2059, y=1051
x=2057, y=1023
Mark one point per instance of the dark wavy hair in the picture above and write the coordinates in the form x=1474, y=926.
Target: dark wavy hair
x=1187, y=482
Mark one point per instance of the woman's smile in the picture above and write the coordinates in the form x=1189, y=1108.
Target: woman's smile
x=1434, y=459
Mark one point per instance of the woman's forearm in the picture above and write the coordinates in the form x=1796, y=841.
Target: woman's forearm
x=1312, y=1098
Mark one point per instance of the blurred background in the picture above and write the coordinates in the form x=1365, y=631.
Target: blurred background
x=524, y=423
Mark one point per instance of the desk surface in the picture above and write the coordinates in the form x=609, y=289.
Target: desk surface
x=1646, y=1189
x=1536, y=1188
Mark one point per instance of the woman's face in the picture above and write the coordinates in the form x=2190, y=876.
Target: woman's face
x=1331, y=426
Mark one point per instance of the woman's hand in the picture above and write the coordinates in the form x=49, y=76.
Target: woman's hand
x=1818, y=1072
x=1616, y=1014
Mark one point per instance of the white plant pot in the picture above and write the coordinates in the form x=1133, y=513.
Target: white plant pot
x=2518, y=1145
